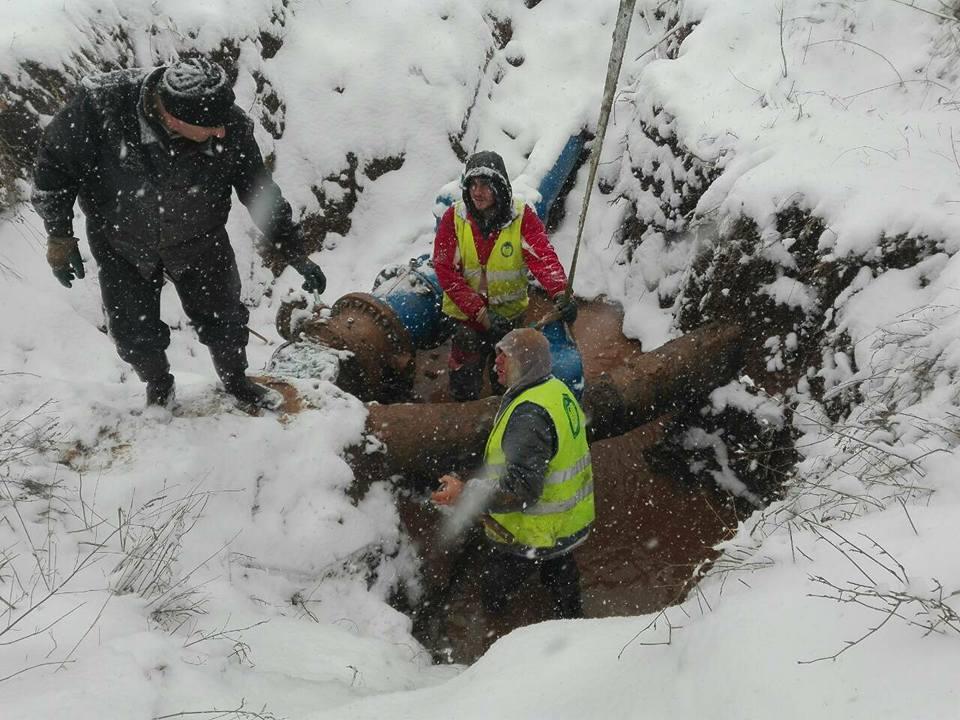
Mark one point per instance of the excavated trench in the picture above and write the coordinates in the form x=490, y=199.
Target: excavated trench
x=652, y=532
x=656, y=523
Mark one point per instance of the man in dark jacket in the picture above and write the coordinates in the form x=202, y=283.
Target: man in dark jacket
x=537, y=482
x=153, y=156
x=484, y=246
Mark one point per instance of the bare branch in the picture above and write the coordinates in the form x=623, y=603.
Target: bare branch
x=32, y=667
x=924, y=10
x=783, y=54
x=868, y=49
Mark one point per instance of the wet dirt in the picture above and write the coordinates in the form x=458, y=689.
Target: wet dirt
x=655, y=524
x=654, y=527
x=652, y=532
x=597, y=330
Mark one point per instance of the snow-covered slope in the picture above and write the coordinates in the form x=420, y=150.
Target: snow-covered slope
x=216, y=560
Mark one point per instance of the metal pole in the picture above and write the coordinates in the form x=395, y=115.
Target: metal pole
x=620, y=32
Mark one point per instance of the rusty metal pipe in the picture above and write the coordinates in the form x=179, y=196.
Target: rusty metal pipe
x=646, y=385
x=381, y=354
x=423, y=439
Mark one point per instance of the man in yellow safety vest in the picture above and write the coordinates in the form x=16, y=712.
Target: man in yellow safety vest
x=484, y=246
x=537, y=479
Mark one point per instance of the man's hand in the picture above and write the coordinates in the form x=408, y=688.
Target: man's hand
x=313, y=278
x=566, y=307
x=483, y=317
x=450, y=488
x=63, y=257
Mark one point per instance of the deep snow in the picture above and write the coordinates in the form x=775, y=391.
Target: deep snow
x=271, y=600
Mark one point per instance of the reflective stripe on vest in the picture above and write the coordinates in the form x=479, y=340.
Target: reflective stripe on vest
x=565, y=506
x=505, y=271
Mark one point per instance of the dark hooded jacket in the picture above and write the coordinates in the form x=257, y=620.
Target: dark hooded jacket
x=152, y=197
x=490, y=166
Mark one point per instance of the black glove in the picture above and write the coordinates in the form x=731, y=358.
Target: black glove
x=63, y=256
x=313, y=278
x=566, y=307
x=499, y=325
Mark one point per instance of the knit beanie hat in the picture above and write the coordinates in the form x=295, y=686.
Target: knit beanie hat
x=196, y=91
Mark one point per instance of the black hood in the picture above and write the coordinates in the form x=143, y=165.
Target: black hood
x=489, y=165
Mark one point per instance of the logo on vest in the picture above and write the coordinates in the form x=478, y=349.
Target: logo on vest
x=573, y=417
x=506, y=249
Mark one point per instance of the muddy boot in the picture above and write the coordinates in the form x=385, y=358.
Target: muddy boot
x=251, y=395
x=231, y=366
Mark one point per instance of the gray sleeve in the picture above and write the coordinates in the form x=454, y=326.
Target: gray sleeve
x=529, y=443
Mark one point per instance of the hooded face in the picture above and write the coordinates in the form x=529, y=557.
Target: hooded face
x=487, y=167
x=482, y=193
x=523, y=356
x=500, y=364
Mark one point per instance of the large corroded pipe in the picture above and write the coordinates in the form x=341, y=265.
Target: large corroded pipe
x=380, y=360
x=644, y=386
x=422, y=439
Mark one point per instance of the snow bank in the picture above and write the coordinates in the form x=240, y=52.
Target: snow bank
x=850, y=117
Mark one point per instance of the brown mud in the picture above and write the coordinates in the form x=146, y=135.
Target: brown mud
x=652, y=533
x=655, y=525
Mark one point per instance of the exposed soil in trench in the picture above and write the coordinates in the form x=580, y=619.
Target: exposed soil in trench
x=598, y=331
x=654, y=526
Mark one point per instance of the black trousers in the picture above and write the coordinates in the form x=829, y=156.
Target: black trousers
x=505, y=573
x=471, y=352
x=209, y=291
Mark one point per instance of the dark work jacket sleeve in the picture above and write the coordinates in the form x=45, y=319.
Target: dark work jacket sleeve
x=529, y=442
x=269, y=210
x=68, y=152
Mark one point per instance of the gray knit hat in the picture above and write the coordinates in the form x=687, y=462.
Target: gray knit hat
x=197, y=92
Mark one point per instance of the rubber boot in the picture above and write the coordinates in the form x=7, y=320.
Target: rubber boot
x=161, y=392
x=154, y=370
x=231, y=366
x=252, y=395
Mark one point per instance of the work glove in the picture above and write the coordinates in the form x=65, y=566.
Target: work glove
x=63, y=256
x=499, y=325
x=566, y=307
x=313, y=278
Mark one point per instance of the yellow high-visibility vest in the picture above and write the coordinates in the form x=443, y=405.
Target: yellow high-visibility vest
x=505, y=274
x=565, y=507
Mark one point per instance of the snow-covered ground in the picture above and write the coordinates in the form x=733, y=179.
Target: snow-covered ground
x=214, y=561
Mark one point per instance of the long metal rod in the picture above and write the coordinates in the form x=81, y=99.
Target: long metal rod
x=620, y=33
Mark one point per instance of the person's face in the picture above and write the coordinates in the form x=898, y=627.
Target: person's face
x=197, y=133
x=500, y=364
x=481, y=192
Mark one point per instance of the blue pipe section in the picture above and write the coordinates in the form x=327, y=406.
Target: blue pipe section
x=415, y=296
x=567, y=363
x=553, y=181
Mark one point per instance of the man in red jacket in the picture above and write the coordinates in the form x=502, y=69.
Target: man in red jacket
x=484, y=246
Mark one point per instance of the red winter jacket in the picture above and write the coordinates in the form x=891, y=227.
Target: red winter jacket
x=538, y=255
